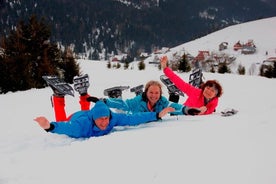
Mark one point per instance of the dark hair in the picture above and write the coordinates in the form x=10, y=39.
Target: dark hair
x=213, y=83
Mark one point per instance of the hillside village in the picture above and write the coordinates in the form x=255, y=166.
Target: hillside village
x=208, y=60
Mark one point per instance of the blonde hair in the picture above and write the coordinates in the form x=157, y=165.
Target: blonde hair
x=153, y=83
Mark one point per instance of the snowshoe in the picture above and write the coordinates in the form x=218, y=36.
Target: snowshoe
x=137, y=90
x=229, y=112
x=170, y=85
x=59, y=87
x=115, y=92
x=81, y=83
x=195, y=77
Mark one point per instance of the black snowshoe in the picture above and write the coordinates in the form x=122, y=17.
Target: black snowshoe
x=137, y=89
x=174, y=92
x=195, y=77
x=170, y=85
x=229, y=112
x=59, y=87
x=115, y=92
x=81, y=83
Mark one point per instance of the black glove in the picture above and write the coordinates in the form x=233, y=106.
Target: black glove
x=95, y=99
x=193, y=111
x=92, y=99
x=190, y=111
x=174, y=98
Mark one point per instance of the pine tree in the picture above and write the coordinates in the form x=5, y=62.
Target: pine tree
x=184, y=65
x=126, y=65
x=69, y=66
x=274, y=70
x=241, y=70
x=223, y=68
x=108, y=64
x=28, y=55
x=141, y=65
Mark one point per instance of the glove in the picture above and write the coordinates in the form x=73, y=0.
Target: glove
x=92, y=99
x=190, y=111
x=95, y=99
x=174, y=98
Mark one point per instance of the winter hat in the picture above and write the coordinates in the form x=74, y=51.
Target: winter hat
x=100, y=110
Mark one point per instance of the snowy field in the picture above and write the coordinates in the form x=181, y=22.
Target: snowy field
x=186, y=149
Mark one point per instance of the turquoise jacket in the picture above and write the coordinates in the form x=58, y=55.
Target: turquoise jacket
x=139, y=104
x=81, y=124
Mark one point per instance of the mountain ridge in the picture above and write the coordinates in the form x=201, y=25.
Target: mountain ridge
x=109, y=26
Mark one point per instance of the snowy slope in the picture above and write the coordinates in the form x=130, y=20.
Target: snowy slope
x=262, y=32
x=186, y=149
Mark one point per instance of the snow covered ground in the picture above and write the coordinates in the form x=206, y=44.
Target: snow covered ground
x=186, y=149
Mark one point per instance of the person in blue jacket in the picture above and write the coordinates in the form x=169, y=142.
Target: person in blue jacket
x=151, y=100
x=98, y=121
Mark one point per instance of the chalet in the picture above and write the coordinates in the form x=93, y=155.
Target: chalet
x=118, y=58
x=164, y=50
x=238, y=46
x=248, y=50
x=202, y=55
x=250, y=43
x=115, y=59
x=223, y=46
x=270, y=60
x=155, y=60
x=144, y=55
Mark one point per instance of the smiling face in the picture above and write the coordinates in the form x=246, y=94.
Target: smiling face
x=153, y=94
x=211, y=89
x=102, y=122
x=209, y=92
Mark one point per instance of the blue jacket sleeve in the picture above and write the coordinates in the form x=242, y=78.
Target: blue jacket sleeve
x=117, y=103
x=133, y=119
x=129, y=105
x=178, y=109
x=76, y=128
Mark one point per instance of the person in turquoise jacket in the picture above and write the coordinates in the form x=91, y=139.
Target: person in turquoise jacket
x=151, y=100
x=98, y=121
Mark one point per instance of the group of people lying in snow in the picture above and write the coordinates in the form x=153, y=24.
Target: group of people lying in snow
x=146, y=107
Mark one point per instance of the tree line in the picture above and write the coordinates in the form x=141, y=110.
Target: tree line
x=27, y=54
